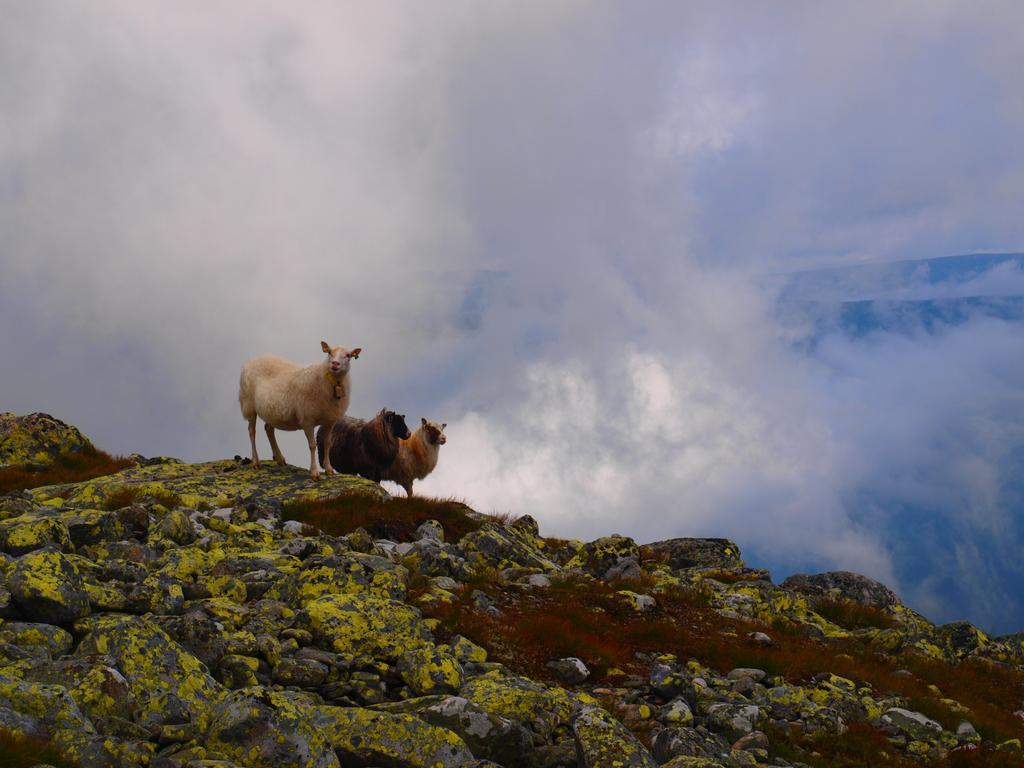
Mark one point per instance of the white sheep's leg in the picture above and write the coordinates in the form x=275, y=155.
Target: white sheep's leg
x=314, y=471
x=278, y=456
x=252, y=439
x=328, y=440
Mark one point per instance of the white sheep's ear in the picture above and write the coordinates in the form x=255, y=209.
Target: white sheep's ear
x=423, y=421
x=325, y=347
x=354, y=354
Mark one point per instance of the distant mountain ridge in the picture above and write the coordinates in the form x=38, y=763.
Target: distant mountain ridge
x=893, y=280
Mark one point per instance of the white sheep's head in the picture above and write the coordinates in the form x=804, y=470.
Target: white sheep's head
x=339, y=358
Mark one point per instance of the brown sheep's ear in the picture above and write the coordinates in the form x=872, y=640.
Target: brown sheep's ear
x=444, y=425
x=423, y=421
x=354, y=354
x=325, y=347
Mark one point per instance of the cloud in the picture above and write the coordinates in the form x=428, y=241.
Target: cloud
x=547, y=224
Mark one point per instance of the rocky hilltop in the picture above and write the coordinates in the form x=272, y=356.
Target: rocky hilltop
x=214, y=615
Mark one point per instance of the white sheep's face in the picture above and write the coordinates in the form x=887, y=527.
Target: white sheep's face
x=435, y=432
x=339, y=358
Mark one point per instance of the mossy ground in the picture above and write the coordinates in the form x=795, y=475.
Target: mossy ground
x=577, y=615
x=86, y=464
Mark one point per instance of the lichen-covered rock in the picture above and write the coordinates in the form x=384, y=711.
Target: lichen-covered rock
x=153, y=663
x=209, y=484
x=688, y=743
x=913, y=724
x=521, y=700
x=365, y=737
x=601, y=741
x=466, y=651
x=499, y=547
x=52, y=640
x=429, y=670
x=733, y=719
x=36, y=440
x=960, y=639
x=175, y=527
x=27, y=533
x=260, y=729
x=99, y=690
x=303, y=673
x=845, y=585
x=597, y=557
x=360, y=624
x=684, y=553
x=487, y=736
x=346, y=574
x=48, y=587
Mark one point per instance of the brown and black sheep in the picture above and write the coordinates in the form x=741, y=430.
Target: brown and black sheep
x=367, y=448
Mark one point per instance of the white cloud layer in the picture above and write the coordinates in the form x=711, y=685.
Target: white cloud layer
x=543, y=222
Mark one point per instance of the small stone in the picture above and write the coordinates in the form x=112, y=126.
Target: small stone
x=431, y=529
x=301, y=672
x=913, y=724
x=571, y=671
x=625, y=568
x=538, y=580
x=639, y=603
x=677, y=712
x=753, y=740
x=527, y=524
x=757, y=675
x=760, y=638
x=967, y=732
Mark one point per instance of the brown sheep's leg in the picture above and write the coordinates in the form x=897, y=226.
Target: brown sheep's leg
x=408, y=488
x=328, y=439
x=314, y=471
x=278, y=456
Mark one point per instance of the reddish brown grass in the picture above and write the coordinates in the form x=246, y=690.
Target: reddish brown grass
x=396, y=519
x=860, y=746
x=20, y=751
x=585, y=619
x=128, y=495
x=67, y=468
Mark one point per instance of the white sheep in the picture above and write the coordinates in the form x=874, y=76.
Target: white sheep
x=417, y=456
x=289, y=397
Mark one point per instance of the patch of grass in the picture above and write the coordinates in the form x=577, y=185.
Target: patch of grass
x=860, y=746
x=852, y=615
x=396, y=519
x=66, y=468
x=984, y=757
x=20, y=751
x=129, y=494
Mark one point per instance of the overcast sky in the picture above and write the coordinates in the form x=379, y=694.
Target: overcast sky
x=555, y=226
